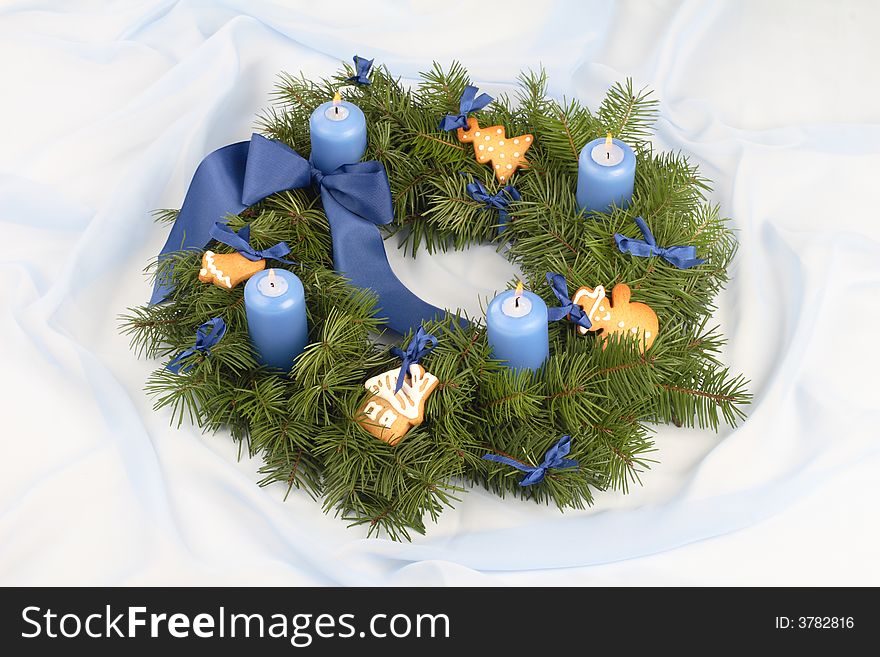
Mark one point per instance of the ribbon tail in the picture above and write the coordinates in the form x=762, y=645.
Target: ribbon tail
x=536, y=476
x=683, y=257
x=359, y=255
x=214, y=193
x=555, y=313
x=175, y=365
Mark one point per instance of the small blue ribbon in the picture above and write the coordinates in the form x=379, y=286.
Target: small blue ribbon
x=683, y=257
x=554, y=458
x=469, y=102
x=568, y=308
x=419, y=347
x=362, y=68
x=207, y=335
x=500, y=201
x=240, y=241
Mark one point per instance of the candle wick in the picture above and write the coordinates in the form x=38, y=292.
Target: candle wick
x=516, y=302
x=336, y=108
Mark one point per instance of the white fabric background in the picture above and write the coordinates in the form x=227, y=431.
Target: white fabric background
x=106, y=109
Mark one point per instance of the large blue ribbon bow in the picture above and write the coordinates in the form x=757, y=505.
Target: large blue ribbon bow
x=500, y=201
x=469, y=102
x=554, y=458
x=207, y=335
x=683, y=257
x=568, y=308
x=419, y=347
x=362, y=68
x=356, y=199
x=240, y=241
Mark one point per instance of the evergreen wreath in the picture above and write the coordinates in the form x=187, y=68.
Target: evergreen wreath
x=605, y=395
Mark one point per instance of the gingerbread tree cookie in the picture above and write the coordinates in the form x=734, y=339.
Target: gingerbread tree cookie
x=492, y=147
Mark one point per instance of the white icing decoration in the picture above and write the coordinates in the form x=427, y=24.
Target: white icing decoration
x=634, y=329
x=647, y=334
x=498, y=131
x=477, y=133
x=410, y=399
x=215, y=272
x=509, y=166
x=516, y=154
x=488, y=138
x=528, y=139
x=516, y=141
x=501, y=142
x=372, y=410
x=481, y=147
x=491, y=149
x=620, y=324
x=598, y=294
x=388, y=418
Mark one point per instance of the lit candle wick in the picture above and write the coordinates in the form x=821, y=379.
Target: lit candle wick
x=608, y=146
x=517, y=294
x=271, y=278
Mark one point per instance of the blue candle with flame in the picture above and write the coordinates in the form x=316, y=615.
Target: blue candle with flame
x=275, y=305
x=606, y=175
x=516, y=327
x=338, y=132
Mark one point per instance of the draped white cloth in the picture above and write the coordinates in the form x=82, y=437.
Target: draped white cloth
x=107, y=108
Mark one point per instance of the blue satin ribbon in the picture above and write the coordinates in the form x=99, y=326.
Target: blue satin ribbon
x=568, y=308
x=554, y=458
x=362, y=68
x=240, y=241
x=420, y=346
x=469, y=102
x=683, y=257
x=356, y=199
x=207, y=335
x=500, y=201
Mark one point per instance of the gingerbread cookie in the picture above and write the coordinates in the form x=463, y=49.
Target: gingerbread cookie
x=493, y=148
x=388, y=415
x=618, y=315
x=227, y=270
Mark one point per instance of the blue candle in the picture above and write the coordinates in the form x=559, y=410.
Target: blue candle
x=338, y=132
x=516, y=325
x=606, y=174
x=275, y=305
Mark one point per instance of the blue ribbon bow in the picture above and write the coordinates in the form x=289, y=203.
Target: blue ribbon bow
x=568, y=308
x=554, y=458
x=419, y=347
x=683, y=257
x=500, y=201
x=362, y=68
x=240, y=241
x=469, y=102
x=356, y=199
x=207, y=335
